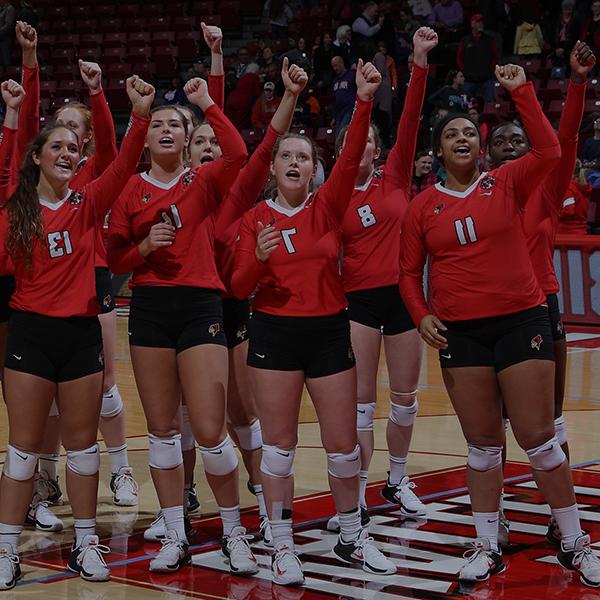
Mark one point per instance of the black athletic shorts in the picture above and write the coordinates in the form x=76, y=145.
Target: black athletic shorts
x=55, y=348
x=558, y=329
x=177, y=317
x=498, y=342
x=381, y=308
x=7, y=287
x=104, y=292
x=236, y=314
x=319, y=346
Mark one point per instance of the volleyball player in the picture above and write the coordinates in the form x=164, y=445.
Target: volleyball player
x=488, y=319
x=299, y=333
x=371, y=238
x=54, y=346
x=162, y=229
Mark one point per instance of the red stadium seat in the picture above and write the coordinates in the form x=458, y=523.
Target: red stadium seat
x=138, y=54
x=129, y=10
x=165, y=65
x=114, y=39
x=212, y=20
x=86, y=26
x=69, y=87
x=187, y=48
x=592, y=105
x=105, y=11
x=117, y=98
x=186, y=23
x=138, y=36
x=154, y=9
x=163, y=36
x=91, y=40
x=112, y=55
x=176, y=8
x=119, y=71
x=108, y=25
x=158, y=23
x=47, y=89
x=137, y=24
x=63, y=54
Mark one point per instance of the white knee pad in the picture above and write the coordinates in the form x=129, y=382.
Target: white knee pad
x=84, y=462
x=364, y=416
x=165, y=452
x=277, y=462
x=249, y=436
x=484, y=458
x=547, y=457
x=403, y=416
x=560, y=430
x=53, y=409
x=19, y=465
x=344, y=466
x=112, y=403
x=220, y=460
x=188, y=442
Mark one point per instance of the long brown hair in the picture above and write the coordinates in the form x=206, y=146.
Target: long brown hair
x=24, y=213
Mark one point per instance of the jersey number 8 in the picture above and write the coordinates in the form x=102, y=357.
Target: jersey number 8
x=367, y=218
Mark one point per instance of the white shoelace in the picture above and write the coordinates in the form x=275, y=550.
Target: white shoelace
x=126, y=480
x=234, y=542
x=97, y=550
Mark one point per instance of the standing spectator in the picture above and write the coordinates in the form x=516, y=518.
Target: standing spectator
x=243, y=60
x=391, y=67
x=382, y=107
x=477, y=57
x=280, y=14
x=240, y=101
x=562, y=36
x=574, y=214
x=423, y=175
x=344, y=93
x=322, y=56
x=175, y=93
x=452, y=96
x=265, y=107
x=528, y=38
x=366, y=27
x=298, y=55
x=8, y=17
x=447, y=15
x=590, y=30
x=343, y=44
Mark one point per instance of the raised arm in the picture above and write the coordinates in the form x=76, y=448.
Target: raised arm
x=336, y=192
x=400, y=161
x=104, y=190
x=13, y=96
x=249, y=268
x=213, y=36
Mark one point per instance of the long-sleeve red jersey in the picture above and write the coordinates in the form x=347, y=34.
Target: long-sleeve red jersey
x=61, y=281
x=543, y=208
x=8, y=141
x=575, y=207
x=301, y=277
x=479, y=264
x=371, y=227
x=216, y=89
x=188, y=202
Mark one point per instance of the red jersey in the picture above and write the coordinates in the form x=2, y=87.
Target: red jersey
x=301, y=277
x=188, y=202
x=216, y=89
x=371, y=227
x=575, y=207
x=8, y=140
x=543, y=208
x=479, y=264
x=241, y=197
x=61, y=282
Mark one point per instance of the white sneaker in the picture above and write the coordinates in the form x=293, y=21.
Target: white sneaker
x=157, y=530
x=10, y=567
x=42, y=517
x=402, y=494
x=174, y=554
x=236, y=548
x=286, y=566
x=482, y=562
x=124, y=487
x=581, y=559
x=364, y=553
x=503, y=531
x=265, y=531
x=87, y=559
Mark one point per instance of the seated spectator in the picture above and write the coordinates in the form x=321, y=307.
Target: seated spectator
x=528, y=38
x=575, y=207
x=240, y=101
x=243, y=60
x=423, y=176
x=452, y=96
x=590, y=30
x=265, y=107
x=175, y=93
x=280, y=14
x=267, y=58
x=344, y=93
x=447, y=15
x=365, y=28
x=590, y=155
x=322, y=55
x=343, y=44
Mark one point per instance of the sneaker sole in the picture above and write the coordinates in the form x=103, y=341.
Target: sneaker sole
x=364, y=565
x=288, y=583
x=496, y=571
x=50, y=528
x=181, y=563
x=86, y=576
x=125, y=502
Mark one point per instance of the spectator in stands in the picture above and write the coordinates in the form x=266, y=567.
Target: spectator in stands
x=273, y=73
x=591, y=148
x=344, y=93
x=391, y=66
x=322, y=55
x=267, y=57
x=242, y=62
x=477, y=57
x=8, y=18
x=423, y=176
x=366, y=28
x=590, y=30
x=382, y=106
x=299, y=55
x=265, y=107
x=575, y=207
x=343, y=44
x=447, y=15
x=452, y=96
x=175, y=93
x=420, y=8
x=240, y=101
x=529, y=40
x=406, y=23
x=563, y=33
x=280, y=14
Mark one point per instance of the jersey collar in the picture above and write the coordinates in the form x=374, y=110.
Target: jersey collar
x=440, y=188
x=55, y=205
x=164, y=186
x=290, y=212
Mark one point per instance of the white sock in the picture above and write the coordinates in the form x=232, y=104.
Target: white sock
x=282, y=533
x=231, y=518
x=9, y=534
x=397, y=469
x=486, y=525
x=174, y=521
x=118, y=458
x=260, y=498
x=84, y=527
x=350, y=527
x=363, y=479
x=49, y=463
x=567, y=520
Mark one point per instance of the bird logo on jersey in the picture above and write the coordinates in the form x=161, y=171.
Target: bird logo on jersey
x=146, y=198
x=75, y=198
x=536, y=342
x=439, y=208
x=241, y=333
x=188, y=178
x=214, y=329
x=487, y=183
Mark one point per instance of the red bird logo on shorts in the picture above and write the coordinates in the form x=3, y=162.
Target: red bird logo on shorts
x=214, y=329
x=241, y=333
x=106, y=301
x=536, y=342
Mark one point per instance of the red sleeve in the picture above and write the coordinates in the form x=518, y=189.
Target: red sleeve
x=104, y=190
x=222, y=173
x=335, y=194
x=460, y=56
x=248, y=184
x=216, y=89
x=29, y=114
x=400, y=161
x=105, y=143
x=412, y=264
x=527, y=172
x=248, y=269
x=7, y=145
